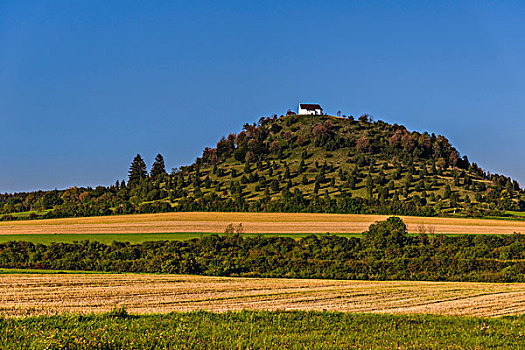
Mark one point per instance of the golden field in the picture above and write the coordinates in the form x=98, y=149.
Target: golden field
x=38, y=294
x=253, y=223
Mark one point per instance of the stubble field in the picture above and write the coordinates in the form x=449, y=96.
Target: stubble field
x=263, y=223
x=48, y=294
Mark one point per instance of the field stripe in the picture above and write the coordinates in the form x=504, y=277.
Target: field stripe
x=36, y=294
x=252, y=223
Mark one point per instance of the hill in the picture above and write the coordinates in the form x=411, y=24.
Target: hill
x=299, y=163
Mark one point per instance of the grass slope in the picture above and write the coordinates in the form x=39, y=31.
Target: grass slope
x=413, y=166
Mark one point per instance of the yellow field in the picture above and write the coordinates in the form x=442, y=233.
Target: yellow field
x=253, y=223
x=36, y=294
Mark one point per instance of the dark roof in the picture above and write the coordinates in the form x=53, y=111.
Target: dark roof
x=309, y=106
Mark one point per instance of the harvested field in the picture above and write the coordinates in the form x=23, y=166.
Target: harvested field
x=36, y=294
x=253, y=223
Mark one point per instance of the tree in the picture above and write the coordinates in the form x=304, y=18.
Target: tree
x=137, y=170
x=158, y=168
x=275, y=185
x=351, y=182
x=447, y=191
x=304, y=180
x=386, y=237
x=365, y=118
x=301, y=167
x=287, y=173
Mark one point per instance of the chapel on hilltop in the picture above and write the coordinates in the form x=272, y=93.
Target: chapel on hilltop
x=310, y=109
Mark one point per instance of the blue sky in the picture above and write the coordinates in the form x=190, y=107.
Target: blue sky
x=85, y=85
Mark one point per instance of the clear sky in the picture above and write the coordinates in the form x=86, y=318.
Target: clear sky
x=86, y=85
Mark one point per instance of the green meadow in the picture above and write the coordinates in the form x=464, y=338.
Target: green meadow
x=131, y=237
x=261, y=330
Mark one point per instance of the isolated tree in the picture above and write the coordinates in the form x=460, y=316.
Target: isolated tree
x=137, y=170
x=302, y=167
x=351, y=182
x=386, y=237
x=365, y=118
x=274, y=185
x=447, y=192
x=304, y=180
x=158, y=168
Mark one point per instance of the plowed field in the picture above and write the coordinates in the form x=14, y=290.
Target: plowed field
x=36, y=294
x=252, y=223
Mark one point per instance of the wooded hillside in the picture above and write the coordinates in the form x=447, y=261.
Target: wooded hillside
x=298, y=164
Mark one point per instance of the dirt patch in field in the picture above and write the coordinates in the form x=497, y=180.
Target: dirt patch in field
x=47, y=294
x=253, y=223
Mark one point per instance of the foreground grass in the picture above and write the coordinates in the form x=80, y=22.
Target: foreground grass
x=261, y=330
x=131, y=237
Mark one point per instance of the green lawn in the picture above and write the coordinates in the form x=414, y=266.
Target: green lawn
x=261, y=330
x=107, y=238
x=520, y=214
x=129, y=237
x=25, y=214
x=50, y=272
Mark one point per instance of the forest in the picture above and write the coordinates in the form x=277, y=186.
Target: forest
x=385, y=252
x=319, y=164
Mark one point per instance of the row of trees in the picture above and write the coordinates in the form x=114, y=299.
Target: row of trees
x=138, y=171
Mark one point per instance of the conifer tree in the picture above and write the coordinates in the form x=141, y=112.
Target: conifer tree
x=137, y=170
x=305, y=180
x=158, y=168
x=351, y=182
x=301, y=167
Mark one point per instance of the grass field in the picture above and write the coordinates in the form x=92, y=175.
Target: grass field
x=48, y=294
x=264, y=223
x=516, y=213
x=261, y=330
x=45, y=238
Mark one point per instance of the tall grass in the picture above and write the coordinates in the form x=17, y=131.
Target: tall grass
x=261, y=330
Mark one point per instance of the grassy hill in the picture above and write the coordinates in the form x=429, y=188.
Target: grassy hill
x=387, y=166
x=300, y=163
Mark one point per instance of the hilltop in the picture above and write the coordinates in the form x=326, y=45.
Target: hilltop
x=300, y=163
